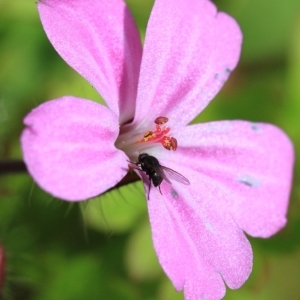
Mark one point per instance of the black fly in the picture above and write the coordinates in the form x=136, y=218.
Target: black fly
x=156, y=172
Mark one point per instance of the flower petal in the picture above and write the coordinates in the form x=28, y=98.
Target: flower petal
x=197, y=241
x=250, y=163
x=188, y=56
x=68, y=147
x=100, y=41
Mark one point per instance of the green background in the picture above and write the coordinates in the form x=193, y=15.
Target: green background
x=102, y=249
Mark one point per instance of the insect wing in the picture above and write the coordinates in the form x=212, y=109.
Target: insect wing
x=173, y=175
x=159, y=170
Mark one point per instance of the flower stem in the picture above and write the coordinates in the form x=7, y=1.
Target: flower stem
x=12, y=166
x=18, y=166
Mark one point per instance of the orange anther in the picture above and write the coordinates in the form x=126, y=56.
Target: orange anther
x=169, y=143
x=161, y=120
x=173, y=143
x=148, y=134
x=160, y=135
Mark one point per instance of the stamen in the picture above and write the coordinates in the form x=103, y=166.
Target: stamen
x=148, y=135
x=169, y=143
x=160, y=135
x=161, y=120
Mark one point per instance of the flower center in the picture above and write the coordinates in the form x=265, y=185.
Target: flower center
x=159, y=135
x=138, y=141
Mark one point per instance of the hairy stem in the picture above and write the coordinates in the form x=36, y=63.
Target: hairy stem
x=18, y=166
x=12, y=166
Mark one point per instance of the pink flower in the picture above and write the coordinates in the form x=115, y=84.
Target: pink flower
x=239, y=172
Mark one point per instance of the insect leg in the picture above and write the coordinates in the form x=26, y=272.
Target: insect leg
x=149, y=188
x=159, y=189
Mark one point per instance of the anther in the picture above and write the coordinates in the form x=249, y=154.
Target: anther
x=160, y=135
x=161, y=120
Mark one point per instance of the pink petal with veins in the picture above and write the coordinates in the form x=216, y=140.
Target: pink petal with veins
x=189, y=51
x=100, y=41
x=250, y=163
x=68, y=147
x=197, y=241
x=240, y=180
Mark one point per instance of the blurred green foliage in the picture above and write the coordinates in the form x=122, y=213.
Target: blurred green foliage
x=102, y=249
